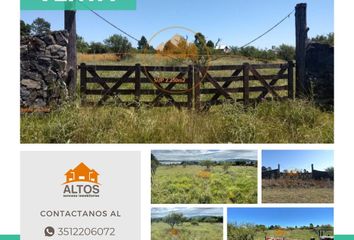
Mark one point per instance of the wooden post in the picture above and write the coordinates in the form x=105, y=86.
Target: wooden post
x=196, y=88
x=83, y=82
x=190, y=87
x=291, y=80
x=302, y=85
x=137, y=84
x=70, y=26
x=246, y=83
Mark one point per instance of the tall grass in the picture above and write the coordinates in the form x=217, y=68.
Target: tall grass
x=194, y=184
x=269, y=122
x=203, y=231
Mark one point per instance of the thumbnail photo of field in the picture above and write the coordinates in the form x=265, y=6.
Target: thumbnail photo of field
x=297, y=176
x=187, y=223
x=280, y=224
x=204, y=176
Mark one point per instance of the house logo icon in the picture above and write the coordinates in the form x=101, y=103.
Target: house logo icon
x=82, y=173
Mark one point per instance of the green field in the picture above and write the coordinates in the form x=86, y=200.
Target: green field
x=204, y=231
x=290, y=234
x=269, y=122
x=193, y=184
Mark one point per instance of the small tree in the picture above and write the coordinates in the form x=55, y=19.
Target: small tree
x=97, y=47
x=25, y=28
x=210, y=44
x=207, y=164
x=286, y=52
x=173, y=219
x=81, y=45
x=40, y=26
x=143, y=44
x=118, y=44
x=325, y=39
x=154, y=164
x=330, y=171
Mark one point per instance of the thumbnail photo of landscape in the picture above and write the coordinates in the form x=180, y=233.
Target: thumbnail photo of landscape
x=280, y=224
x=187, y=223
x=297, y=176
x=204, y=176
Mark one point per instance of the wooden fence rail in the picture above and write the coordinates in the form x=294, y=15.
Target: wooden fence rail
x=186, y=86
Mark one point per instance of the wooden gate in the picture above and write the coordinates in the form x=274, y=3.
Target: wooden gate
x=186, y=86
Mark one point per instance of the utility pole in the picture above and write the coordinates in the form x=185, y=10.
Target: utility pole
x=70, y=26
x=302, y=84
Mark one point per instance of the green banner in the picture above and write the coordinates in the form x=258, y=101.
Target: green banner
x=9, y=237
x=78, y=4
x=344, y=237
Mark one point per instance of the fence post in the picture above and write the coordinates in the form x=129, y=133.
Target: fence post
x=302, y=85
x=190, y=87
x=70, y=26
x=83, y=82
x=291, y=80
x=137, y=83
x=196, y=88
x=246, y=83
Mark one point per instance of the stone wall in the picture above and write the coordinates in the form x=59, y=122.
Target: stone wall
x=43, y=70
x=320, y=72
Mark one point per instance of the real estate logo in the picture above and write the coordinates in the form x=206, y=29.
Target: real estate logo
x=81, y=181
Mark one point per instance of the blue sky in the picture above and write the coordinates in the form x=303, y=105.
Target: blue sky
x=297, y=159
x=187, y=212
x=285, y=217
x=195, y=155
x=236, y=22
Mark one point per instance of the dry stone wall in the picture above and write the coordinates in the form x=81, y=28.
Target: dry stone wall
x=43, y=70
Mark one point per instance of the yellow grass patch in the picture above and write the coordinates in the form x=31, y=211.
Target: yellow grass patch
x=102, y=57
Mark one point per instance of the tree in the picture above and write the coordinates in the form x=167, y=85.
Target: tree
x=207, y=164
x=210, y=44
x=81, y=45
x=143, y=44
x=325, y=39
x=118, y=44
x=154, y=164
x=25, y=28
x=330, y=171
x=286, y=52
x=311, y=226
x=97, y=47
x=40, y=26
x=173, y=219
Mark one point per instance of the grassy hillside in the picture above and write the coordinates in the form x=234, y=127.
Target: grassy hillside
x=193, y=184
x=204, y=231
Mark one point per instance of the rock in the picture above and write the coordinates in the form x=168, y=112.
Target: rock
x=43, y=69
x=61, y=37
x=48, y=39
x=31, y=75
x=59, y=65
x=39, y=102
x=25, y=93
x=31, y=84
x=37, y=43
x=56, y=51
x=50, y=76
